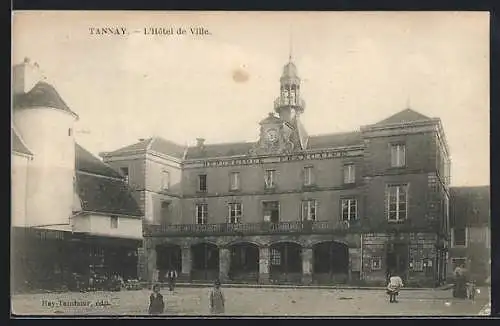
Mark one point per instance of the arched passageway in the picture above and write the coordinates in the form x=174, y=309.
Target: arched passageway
x=168, y=257
x=244, y=262
x=205, y=262
x=330, y=262
x=285, y=262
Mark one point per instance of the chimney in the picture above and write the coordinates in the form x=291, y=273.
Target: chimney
x=200, y=142
x=25, y=76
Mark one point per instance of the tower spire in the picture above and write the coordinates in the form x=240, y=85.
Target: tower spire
x=290, y=49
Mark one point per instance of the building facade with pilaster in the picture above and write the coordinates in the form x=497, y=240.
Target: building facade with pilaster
x=296, y=208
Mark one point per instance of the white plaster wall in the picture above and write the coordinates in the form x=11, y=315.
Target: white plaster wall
x=50, y=183
x=101, y=225
x=19, y=178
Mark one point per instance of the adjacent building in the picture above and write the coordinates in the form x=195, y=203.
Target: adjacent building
x=296, y=208
x=470, y=231
x=71, y=213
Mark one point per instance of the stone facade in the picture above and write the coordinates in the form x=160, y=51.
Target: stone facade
x=377, y=198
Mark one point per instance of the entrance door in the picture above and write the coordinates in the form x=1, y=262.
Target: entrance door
x=397, y=259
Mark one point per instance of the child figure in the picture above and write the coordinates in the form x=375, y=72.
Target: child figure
x=156, y=303
x=395, y=284
x=216, y=299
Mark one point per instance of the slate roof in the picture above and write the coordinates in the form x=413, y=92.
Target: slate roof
x=407, y=115
x=161, y=145
x=219, y=150
x=104, y=190
x=41, y=95
x=335, y=140
x=157, y=144
x=17, y=145
x=469, y=206
x=87, y=162
x=105, y=195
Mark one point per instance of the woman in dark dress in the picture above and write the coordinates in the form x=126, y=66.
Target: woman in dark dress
x=156, y=303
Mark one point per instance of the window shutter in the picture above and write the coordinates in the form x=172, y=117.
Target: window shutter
x=304, y=210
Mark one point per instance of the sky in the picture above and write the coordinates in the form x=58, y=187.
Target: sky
x=357, y=68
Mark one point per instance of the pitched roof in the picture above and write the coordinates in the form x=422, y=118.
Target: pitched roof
x=105, y=195
x=42, y=95
x=469, y=205
x=219, y=150
x=157, y=144
x=18, y=145
x=407, y=115
x=167, y=147
x=334, y=140
x=87, y=162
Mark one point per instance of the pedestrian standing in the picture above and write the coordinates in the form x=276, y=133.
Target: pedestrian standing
x=216, y=299
x=172, y=279
x=393, y=287
x=156, y=303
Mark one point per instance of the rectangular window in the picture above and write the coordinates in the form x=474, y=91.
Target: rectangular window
x=349, y=209
x=269, y=179
x=376, y=263
x=202, y=184
x=308, y=175
x=271, y=211
x=397, y=202
x=309, y=208
x=235, y=180
x=398, y=155
x=165, y=207
x=459, y=237
x=165, y=180
x=235, y=212
x=349, y=173
x=275, y=257
x=124, y=172
x=201, y=213
x=114, y=222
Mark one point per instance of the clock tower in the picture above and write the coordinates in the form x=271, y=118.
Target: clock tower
x=284, y=133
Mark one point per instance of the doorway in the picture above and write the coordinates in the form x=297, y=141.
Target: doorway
x=397, y=259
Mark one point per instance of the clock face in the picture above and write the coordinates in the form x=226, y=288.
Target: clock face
x=272, y=135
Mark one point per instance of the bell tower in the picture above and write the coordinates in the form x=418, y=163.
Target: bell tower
x=289, y=104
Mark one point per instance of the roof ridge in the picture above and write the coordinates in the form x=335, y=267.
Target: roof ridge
x=335, y=133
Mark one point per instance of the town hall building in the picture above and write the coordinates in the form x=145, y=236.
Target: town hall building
x=293, y=208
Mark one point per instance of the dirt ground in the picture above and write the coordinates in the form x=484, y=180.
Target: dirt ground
x=255, y=301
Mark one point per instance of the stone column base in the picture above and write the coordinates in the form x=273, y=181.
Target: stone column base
x=307, y=279
x=263, y=278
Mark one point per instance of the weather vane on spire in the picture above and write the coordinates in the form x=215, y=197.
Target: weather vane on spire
x=408, y=102
x=290, y=50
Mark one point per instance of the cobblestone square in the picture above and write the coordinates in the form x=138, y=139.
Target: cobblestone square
x=255, y=301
